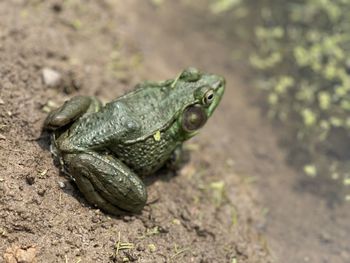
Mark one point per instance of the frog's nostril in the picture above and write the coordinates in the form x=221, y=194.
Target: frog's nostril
x=222, y=81
x=218, y=84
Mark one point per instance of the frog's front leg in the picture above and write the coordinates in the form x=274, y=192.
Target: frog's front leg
x=107, y=183
x=177, y=159
x=71, y=110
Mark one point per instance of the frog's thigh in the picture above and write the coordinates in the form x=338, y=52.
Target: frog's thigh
x=71, y=110
x=108, y=183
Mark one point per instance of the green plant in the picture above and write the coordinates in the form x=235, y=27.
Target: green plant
x=301, y=59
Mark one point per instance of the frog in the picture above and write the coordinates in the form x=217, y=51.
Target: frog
x=108, y=149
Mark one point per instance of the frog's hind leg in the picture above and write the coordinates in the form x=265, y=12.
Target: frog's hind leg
x=71, y=110
x=108, y=183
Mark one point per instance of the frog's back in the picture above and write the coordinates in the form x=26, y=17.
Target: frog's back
x=154, y=107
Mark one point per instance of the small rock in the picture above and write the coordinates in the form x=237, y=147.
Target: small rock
x=140, y=247
x=41, y=192
x=2, y=137
x=176, y=221
x=17, y=254
x=61, y=185
x=2, y=102
x=152, y=247
x=325, y=237
x=230, y=162
x=95, y=219
x=97, y=211
x=57, y=7
x=30, y=179
x=128, y=218
x=51, y=78
x=51, y=104
x=105, y=225
x=185, y=215
x=46, y=109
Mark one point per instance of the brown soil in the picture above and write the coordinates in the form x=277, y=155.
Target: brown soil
x=236, y=188
x=207, y=213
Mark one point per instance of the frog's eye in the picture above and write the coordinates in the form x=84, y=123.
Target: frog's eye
x=208, y=97
x=194, y=117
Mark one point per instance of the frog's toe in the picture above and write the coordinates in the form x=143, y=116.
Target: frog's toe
x=71, y=110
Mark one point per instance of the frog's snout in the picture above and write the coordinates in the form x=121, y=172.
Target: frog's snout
x=219, y=87
x=220, y=82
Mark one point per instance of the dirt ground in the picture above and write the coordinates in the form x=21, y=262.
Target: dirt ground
x=206, y=213
x=237, y=200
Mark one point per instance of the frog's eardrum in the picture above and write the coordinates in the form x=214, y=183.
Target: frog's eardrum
x=194, y=117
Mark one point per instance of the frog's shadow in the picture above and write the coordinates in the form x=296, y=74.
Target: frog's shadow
x=70, y=188
x=166, y=174
x=44, y=140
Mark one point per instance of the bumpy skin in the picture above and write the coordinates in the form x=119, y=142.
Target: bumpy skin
x=106, y=148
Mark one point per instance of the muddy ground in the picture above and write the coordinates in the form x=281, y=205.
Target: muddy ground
x=237, y=200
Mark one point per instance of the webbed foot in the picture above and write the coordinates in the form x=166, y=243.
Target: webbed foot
x=71, y=110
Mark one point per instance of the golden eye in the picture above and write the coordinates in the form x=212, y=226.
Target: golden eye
x=194, y=117
x=208, y=97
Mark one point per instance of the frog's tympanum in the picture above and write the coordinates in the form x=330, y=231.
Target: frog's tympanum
x=107, y=149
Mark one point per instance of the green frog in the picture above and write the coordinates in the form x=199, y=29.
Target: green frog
x=108, y=149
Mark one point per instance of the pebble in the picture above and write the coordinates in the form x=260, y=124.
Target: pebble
x=18, y=254
x=57, y=7
x=30, y=179
x=51, y=78
x=128, y=218
x=140, y=247
x=95, y=219
x=41, y=192
x=2, y=102
x=61, y=185
x=152, y=247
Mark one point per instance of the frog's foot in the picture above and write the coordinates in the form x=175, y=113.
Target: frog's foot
x=56, y=155
x=71, y=110
x=177, y=159
x=108, y=183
